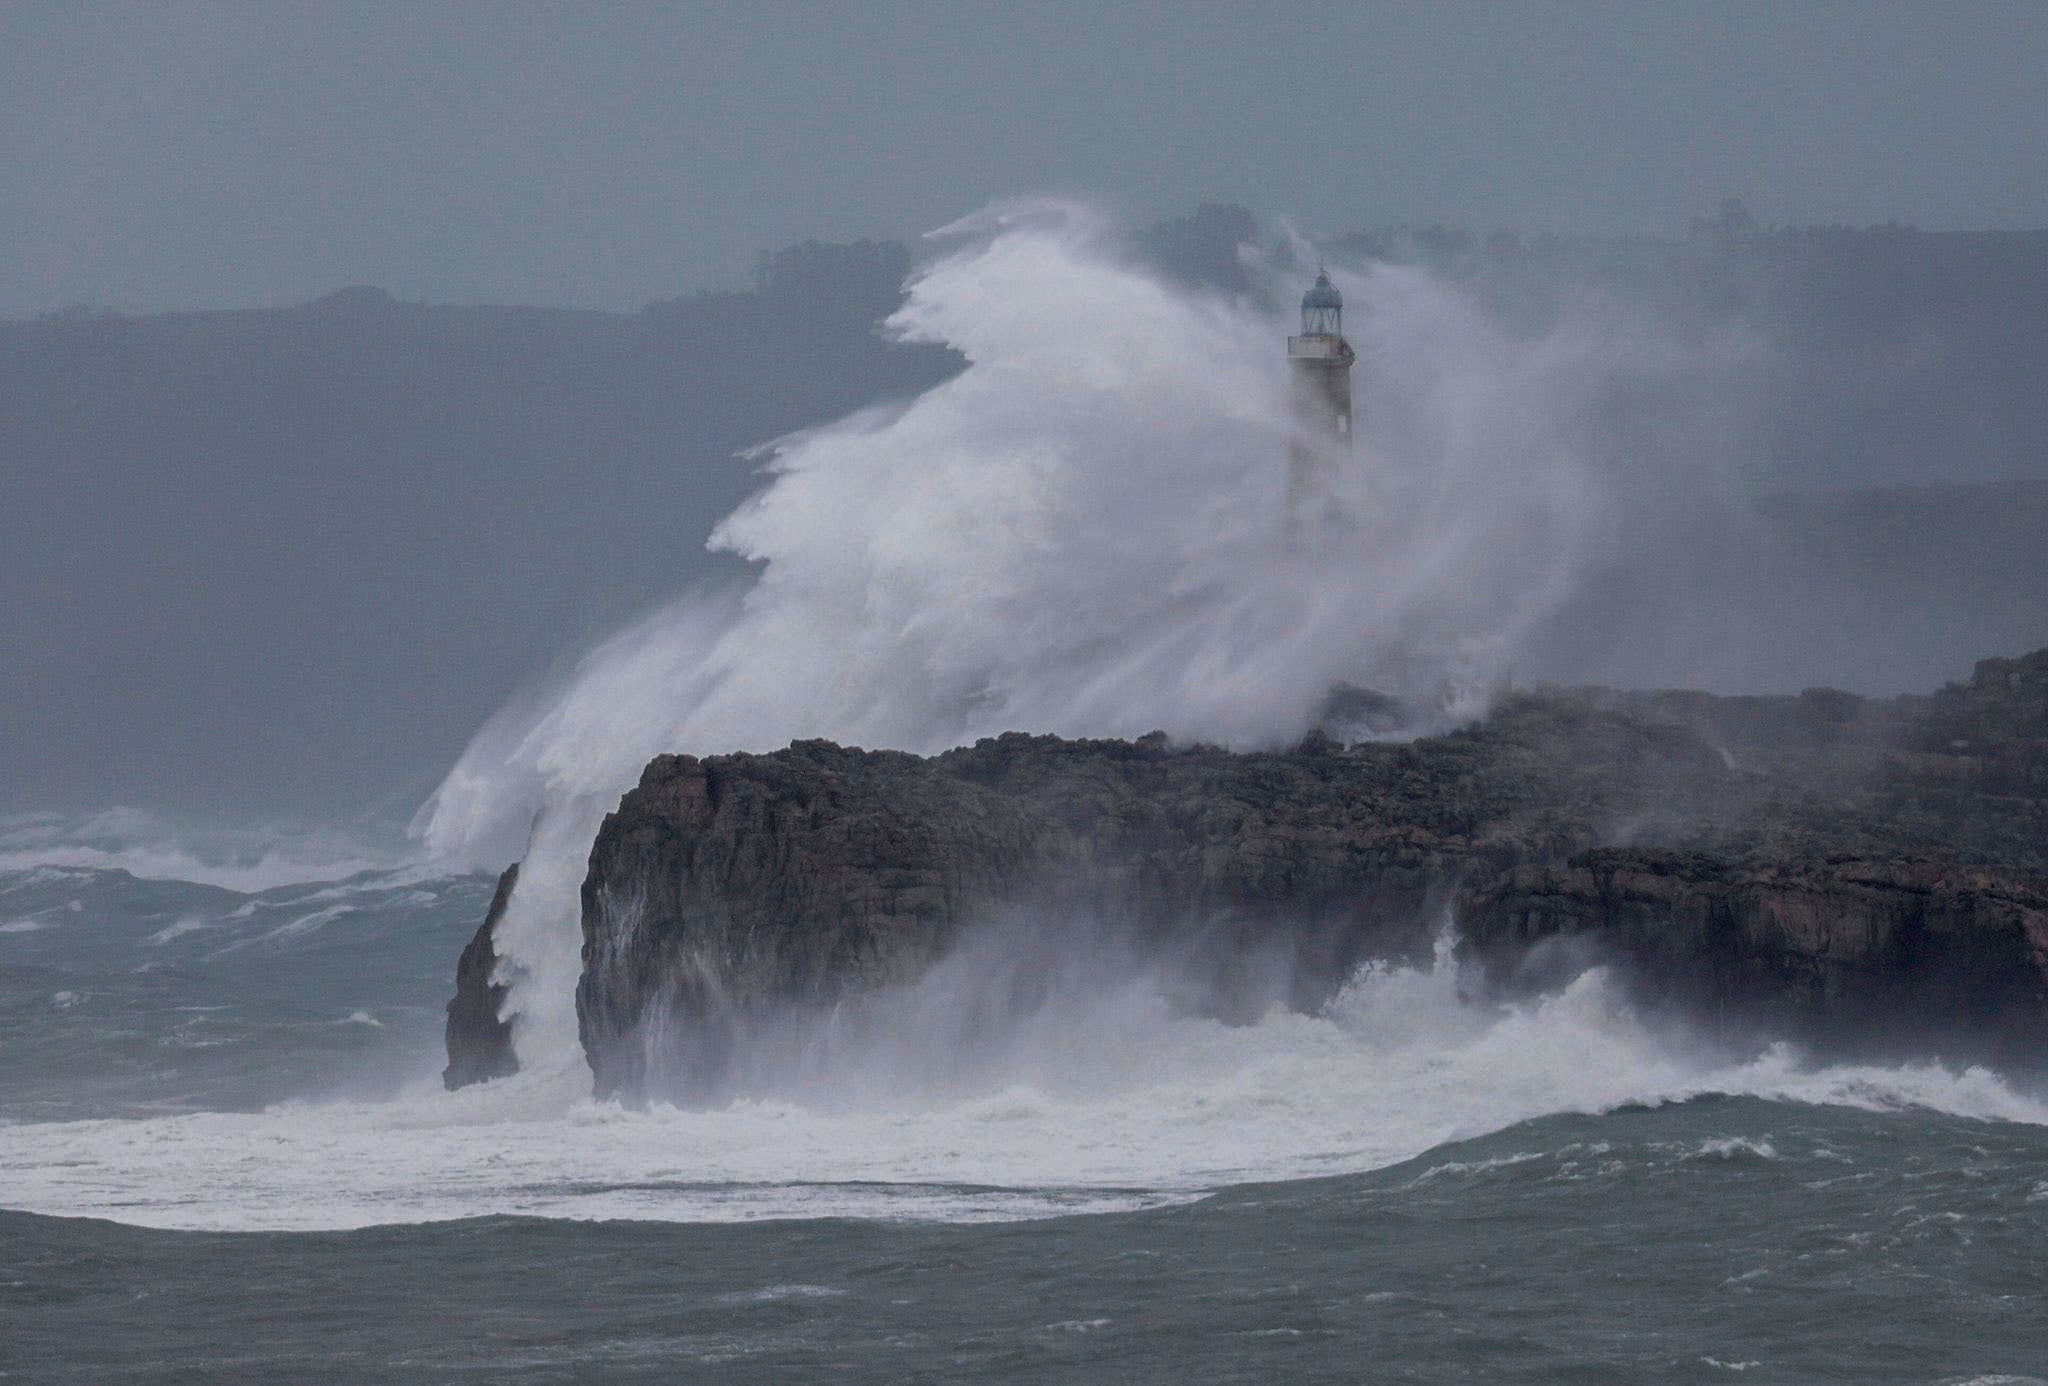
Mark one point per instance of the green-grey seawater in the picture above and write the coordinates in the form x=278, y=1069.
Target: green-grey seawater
x=1886, y=1226
x=1717, y=1239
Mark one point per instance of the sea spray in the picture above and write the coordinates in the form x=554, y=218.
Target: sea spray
x=1082, y=533
x=1092, y=1094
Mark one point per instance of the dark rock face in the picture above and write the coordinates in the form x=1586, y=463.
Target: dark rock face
x=734, y=884
x=1830, y=867
x=1890, y=953
x=480, y=1044
x=1883, y=878
x=1821, y=862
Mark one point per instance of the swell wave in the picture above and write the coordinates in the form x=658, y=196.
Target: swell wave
x=247, y=861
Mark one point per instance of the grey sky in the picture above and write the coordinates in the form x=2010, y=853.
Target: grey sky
x=166, y=155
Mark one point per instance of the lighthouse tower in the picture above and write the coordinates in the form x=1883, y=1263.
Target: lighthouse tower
x=1321, y=361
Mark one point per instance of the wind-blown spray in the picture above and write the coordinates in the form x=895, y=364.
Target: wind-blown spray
x=1082, y=533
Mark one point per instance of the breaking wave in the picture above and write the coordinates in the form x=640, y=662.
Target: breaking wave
x=1086, y=533
x=247, y=860
x=1083, y=533
x=1084, y=1099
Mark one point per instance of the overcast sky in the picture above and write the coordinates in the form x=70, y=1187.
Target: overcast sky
x=182, y=155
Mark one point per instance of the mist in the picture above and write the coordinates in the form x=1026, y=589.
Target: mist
x=1086, y=532
x=288, y=562
x=740, y=690
x=264, y=563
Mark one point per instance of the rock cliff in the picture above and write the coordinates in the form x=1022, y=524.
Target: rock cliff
x=1825, y=864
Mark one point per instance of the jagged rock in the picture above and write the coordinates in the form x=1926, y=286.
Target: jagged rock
x=731, y=884
x=1823, y=864
x=479, y=1043
x=1902, y=952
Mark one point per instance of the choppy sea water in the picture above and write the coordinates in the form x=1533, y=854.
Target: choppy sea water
x=224, y=1156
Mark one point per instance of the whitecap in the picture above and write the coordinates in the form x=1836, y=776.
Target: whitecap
x=177, y=931
x=1104, y=1102
x=772, y=1294
x=1733, y=1147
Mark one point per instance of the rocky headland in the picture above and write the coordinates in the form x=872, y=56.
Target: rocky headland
x=1846, y=871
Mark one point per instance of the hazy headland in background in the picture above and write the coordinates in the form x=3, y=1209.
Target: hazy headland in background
x=288, y=560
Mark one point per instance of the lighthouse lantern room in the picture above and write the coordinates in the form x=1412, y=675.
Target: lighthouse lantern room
x=1321, y=362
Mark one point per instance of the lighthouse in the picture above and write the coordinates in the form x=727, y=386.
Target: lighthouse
x=1321, y=362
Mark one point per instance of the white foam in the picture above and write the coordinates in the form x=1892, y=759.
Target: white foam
x=177, y=931
x=772, y=1294
x=1733, y=1148
x=20, y=879
x=38, y=849
x=1090, y=1104
x=1081, y=533
x=1085, y=532
x=307, y=923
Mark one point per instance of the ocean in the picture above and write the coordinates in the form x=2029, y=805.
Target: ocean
x=225, y=1155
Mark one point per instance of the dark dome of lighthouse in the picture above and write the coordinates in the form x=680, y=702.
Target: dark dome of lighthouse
x=1322, y=293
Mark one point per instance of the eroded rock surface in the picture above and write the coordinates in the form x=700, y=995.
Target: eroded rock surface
x=1824, y=863
x=479, y=1043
